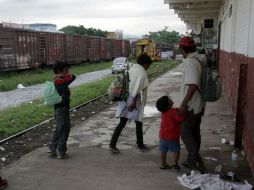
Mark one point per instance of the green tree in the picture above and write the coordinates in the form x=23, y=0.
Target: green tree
x=81, y=30
x=165, y=36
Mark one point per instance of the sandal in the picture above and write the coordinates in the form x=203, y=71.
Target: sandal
x=165, y=167
x=176, y=166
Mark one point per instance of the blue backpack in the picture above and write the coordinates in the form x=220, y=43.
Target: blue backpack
x=50, y=94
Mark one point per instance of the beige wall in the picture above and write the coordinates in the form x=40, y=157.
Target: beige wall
x=237, y=30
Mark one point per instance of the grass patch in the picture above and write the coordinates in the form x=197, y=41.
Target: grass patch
x=16, y=119
x=10, y=80
x=13, y=120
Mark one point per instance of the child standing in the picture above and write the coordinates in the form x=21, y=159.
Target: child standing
x=169, y=131
x=62, y=80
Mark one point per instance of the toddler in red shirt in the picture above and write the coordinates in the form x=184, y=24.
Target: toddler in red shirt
x=169, y=131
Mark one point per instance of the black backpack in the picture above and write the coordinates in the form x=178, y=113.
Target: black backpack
x=211, y=85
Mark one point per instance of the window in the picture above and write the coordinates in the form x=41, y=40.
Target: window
x=208, y=23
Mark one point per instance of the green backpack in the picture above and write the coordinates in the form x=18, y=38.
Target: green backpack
x=51, y=96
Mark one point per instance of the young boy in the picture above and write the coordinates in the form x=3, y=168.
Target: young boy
x=169, y=131
x=62, y=80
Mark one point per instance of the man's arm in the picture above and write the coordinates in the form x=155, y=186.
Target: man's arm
x=133, y=104
x=190, y=92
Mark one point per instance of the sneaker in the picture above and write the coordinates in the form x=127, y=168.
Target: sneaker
x=143, y=148
x=176, y=166
x=114, y=150
x=62, y=156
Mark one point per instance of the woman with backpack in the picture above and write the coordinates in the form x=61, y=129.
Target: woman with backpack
x=133, y=107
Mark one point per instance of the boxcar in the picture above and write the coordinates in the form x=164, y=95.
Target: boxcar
x=75, y=46
x=109, y=49
x=18, y=49
x=52, y=48
x=117, y=48
x=93, y=49
x=102, y=50
x=125, y=48
x=133, y=48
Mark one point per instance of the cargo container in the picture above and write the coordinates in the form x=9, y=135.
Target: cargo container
x=21, y=48
x=75, y=49
x=7, y=50
x=102, y=50
x=133, y=48
x=93, y=49
x=52, y=48
x=109, y=49
x=18, y=49
x=126, y=48
x=117, y=48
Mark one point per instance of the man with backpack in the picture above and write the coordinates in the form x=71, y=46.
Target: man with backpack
x=133, y=107
x=192, y=103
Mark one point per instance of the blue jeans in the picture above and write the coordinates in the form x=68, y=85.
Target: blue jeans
x=62, y=131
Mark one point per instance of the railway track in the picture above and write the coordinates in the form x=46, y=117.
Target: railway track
x=15, y=146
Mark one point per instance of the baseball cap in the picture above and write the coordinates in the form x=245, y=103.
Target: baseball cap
x=187, y=41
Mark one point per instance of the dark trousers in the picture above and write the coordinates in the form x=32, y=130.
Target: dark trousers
x=190, y=134
x=119, y=128
x=62, y=130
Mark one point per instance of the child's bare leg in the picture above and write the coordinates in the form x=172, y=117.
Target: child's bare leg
x=163, y=158
x=164, y=164
x=176, y=159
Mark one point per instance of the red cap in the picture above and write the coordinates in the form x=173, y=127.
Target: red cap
x=186, y=41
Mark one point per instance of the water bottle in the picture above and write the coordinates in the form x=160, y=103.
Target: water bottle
x=234, y=155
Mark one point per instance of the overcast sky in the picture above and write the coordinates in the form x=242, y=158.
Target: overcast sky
x=136, y=17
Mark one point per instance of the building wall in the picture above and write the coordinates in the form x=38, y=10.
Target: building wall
x=237, y=48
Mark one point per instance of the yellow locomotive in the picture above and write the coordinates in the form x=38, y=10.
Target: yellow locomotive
x=149, y=47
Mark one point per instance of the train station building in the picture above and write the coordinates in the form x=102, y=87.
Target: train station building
x=228, y=27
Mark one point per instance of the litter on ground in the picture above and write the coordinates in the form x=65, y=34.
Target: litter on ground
x=210, y=182
x=211, y=158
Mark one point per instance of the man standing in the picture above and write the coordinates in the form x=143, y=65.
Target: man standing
x=191, y=103
x=133, y=108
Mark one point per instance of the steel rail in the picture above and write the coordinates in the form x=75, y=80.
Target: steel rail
x=48, y=120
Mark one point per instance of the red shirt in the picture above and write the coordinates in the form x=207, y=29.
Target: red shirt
x=170, y=125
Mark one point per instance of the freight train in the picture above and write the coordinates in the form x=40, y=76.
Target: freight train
x=24, y=49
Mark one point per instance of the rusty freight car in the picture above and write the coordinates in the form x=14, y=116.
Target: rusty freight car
x=125, y=48
x=102, y=49
x=93, y=49
x=117, y=48
x=18, y=49
x=109, y=49
x=22, y=49
x=76, y=47
x=52, y=48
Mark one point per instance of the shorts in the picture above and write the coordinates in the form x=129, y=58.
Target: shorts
x=167, y=145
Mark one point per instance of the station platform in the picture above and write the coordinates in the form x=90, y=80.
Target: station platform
x=92, y=167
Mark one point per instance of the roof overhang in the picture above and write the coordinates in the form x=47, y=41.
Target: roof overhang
x=193, y=12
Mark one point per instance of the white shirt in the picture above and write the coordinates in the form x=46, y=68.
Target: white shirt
x=192, y=75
